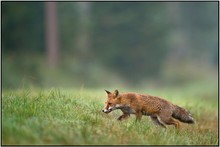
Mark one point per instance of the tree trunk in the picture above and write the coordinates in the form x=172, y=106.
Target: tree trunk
x=83, y=42
x=52, y=45
x=180, y=43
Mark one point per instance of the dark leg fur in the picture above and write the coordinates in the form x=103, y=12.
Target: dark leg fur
x=125, y=115
x=157, y=122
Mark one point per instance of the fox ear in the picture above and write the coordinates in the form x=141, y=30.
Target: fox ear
x=116, y=92
x=107, y=92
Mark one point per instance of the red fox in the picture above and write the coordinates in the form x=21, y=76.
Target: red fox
x=160, y=110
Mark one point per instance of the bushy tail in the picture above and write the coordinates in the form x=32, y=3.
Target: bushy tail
x=182, y=115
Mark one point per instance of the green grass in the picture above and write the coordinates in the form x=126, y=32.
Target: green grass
x=73, y=117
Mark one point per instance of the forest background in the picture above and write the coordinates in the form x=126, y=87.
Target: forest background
x=109, y=44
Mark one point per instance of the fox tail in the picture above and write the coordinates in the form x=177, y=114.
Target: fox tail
x=182, y=115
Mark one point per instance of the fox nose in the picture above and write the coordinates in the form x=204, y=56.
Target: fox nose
x=102, y=110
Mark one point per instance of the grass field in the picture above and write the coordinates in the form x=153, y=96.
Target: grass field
x=73, y=117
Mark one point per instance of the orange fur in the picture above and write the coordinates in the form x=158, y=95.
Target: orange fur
x=160, y=110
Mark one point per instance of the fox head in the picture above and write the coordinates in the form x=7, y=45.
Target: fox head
x=113, y=101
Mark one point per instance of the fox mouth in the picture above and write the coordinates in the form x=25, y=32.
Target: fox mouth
x=107, y=111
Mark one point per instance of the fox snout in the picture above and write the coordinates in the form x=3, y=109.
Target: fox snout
x=107, y=110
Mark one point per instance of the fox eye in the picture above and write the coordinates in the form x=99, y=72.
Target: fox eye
x=109, y=103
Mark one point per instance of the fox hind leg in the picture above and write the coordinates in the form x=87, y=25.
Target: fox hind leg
x=168, y=120
x=175, y=123
x=157, y=122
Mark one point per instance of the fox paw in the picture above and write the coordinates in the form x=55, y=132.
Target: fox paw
x=119, y=118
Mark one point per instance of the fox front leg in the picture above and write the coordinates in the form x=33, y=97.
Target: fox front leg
x=138, y=116
x=123, y=116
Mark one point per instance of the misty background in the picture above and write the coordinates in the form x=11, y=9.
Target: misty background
x=109, y=44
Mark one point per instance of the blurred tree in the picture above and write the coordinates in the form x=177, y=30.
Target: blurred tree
x=179, y=35
x=194, y=30
x=22, y=27
x=201, y=21
x=130, y=38
x=52, y=40
x=83, y=40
